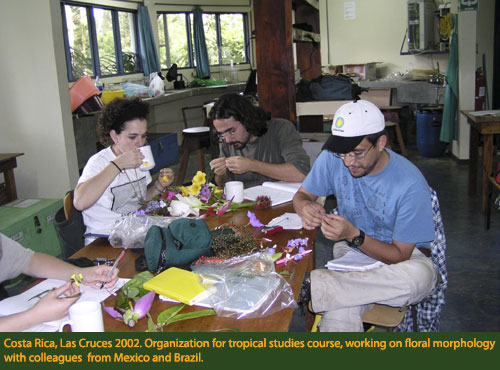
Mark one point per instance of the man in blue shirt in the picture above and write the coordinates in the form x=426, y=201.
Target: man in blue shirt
x=384, y=211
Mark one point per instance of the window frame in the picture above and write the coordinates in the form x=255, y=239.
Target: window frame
x=190, y=51
x=94, y=48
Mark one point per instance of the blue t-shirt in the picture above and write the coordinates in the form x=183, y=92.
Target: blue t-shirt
x=394, y=204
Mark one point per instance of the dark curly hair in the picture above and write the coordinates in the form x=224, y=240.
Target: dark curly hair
x=116, y=113
x=253, y=118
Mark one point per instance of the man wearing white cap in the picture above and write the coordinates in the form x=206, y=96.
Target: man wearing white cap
x=384, y=210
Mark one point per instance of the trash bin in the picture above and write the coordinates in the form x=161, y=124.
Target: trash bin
x=428, y=132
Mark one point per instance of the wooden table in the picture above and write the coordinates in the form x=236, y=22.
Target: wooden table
x=277, y=322
x=7, y=164
x=485, y=127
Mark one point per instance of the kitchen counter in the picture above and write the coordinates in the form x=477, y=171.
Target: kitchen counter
x=409, y=92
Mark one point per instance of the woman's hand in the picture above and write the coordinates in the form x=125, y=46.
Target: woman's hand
x=96, y=275
x=50, y=307
x=130, y=159
x=165, y=177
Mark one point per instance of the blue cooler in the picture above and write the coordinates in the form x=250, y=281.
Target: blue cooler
x=428, y=132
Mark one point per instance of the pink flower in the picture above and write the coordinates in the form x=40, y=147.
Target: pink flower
x=135, y=313
x=224, y=208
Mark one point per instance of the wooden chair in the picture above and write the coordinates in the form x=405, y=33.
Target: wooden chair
x=193, y=139
x=70, y=226
x=382, y=99
x=68, y=204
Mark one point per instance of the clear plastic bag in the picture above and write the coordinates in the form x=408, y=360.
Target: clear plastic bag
x=132, y=90
x=245, y=286
x=130, y=231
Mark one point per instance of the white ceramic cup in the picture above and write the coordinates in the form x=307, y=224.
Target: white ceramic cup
x=84, y=316
x=148, y=162
x=234, y=190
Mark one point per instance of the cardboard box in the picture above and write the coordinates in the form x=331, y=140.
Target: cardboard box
x=367, y=71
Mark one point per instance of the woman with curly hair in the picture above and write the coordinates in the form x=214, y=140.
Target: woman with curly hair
x=111, y=185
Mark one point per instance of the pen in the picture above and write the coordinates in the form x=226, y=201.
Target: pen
x=114, y=265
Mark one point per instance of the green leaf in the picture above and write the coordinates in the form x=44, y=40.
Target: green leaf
x=165, y=316
x=241, y=205
x=236, y=330
x=276, y=256
x=286, y=273
x=151, y=325
x=191, y=315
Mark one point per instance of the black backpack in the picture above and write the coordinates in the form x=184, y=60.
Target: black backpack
x=328, y=87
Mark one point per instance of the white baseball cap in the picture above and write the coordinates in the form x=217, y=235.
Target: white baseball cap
x=352, y=122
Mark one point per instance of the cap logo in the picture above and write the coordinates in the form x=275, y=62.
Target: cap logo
x=339, y=122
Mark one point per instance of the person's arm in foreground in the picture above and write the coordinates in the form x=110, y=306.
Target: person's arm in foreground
x=50, y=307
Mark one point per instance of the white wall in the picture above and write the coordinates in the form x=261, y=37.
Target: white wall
x=375, y=35
x=36, y=117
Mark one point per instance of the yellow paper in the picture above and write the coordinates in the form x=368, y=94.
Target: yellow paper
x=178, y=284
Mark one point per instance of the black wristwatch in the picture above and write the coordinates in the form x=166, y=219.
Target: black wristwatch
x=357, y=241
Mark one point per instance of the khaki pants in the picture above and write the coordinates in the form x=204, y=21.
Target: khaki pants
x=345, y=296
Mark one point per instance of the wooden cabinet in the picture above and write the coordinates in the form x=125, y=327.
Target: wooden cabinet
x=274, y=51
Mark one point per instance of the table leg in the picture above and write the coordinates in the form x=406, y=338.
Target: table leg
x=487, y=167
x=473, y=159
x=10, y=184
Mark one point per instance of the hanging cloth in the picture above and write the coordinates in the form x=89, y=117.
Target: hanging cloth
x=449, y=125
x=149, y=56
x=200, y=45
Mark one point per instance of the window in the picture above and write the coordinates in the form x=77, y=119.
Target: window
x=225, y=34
x=100, y=41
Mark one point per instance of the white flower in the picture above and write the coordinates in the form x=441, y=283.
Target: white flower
x=185, y=206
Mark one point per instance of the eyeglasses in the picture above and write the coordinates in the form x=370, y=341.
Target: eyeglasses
x=353, y=155
x=230, y=132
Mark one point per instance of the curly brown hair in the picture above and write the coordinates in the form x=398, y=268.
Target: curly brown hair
x=116, y=113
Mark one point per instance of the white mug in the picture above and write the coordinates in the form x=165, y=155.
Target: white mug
x=84, y=316
x=148, y=162
x=234, y=190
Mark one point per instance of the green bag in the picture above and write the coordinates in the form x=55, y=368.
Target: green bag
x=182, y=242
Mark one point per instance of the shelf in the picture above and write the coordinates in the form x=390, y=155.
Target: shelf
x=424, y=52
x=313, y=3
x=305, y=36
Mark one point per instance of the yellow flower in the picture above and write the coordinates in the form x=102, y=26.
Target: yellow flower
x=194, y=189
x=199, y=178
x=185, y=191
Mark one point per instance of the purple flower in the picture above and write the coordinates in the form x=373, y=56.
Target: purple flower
x=205, y=193
x=271, y=250
x=298, y=257
x=254, y=221
x=135, y=313
x=297, y=242
x=140, y=212
x=112, y=312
